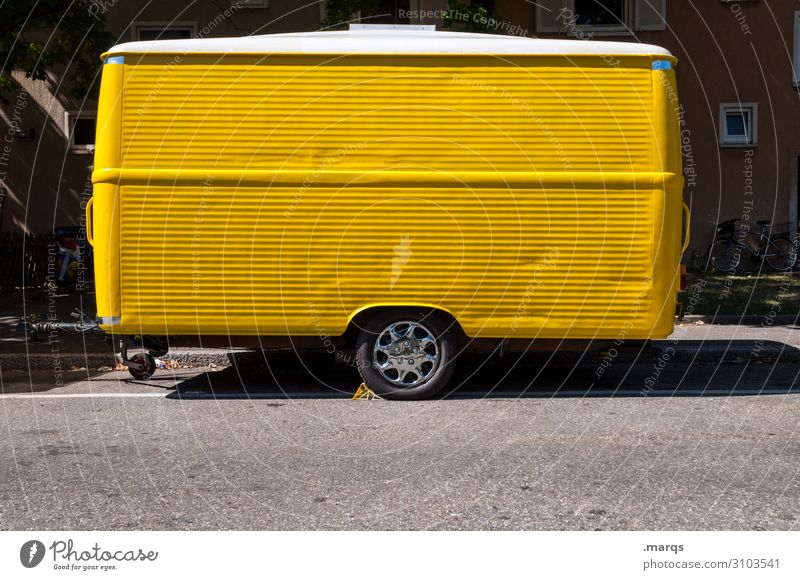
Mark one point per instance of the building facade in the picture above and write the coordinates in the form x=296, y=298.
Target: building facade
x=737, y=79
x=738, y=71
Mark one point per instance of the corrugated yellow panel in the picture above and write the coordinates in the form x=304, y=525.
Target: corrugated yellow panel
x=529, y=197
x=447, y=114
x=257, y=260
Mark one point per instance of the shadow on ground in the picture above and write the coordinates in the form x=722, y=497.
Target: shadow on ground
x=664, y=372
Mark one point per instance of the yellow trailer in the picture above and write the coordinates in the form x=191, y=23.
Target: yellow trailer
x=403, y=192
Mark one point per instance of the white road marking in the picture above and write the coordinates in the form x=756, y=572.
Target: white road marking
x=463, y=395
x=83, y=395
x=630, y=394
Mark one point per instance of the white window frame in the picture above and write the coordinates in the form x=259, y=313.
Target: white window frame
x=632, y=22
x=136, y=27
x=69, y=118
x=796, y=59
x=726, y=140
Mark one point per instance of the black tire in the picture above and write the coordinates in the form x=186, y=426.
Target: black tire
x=781, y=255
x=382, y=373
x=149, y=366
x=724, y=256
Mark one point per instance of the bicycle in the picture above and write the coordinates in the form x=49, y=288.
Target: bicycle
x=725, y=253
x=779, y=253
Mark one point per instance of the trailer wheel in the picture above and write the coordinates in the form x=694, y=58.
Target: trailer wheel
x=149, y=366
x=405, y=354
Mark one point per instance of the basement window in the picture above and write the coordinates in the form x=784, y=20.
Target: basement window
x=79, y=129
x=738, y=124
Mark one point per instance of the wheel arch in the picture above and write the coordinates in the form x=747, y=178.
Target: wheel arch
x=360, y=316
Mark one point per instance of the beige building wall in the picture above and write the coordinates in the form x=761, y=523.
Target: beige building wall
x=42, y=183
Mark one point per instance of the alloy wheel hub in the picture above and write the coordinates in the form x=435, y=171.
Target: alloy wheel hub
x=406, y=353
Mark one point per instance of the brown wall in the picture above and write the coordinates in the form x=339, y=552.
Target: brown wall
x=737, y=53
x=728, y=53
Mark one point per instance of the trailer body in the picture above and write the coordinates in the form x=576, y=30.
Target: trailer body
x=285, y=185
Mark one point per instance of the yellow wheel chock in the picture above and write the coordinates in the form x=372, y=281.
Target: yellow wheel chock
x=363, y=393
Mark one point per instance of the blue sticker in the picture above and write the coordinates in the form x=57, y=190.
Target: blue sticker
x=662, y=65
x=115, y=60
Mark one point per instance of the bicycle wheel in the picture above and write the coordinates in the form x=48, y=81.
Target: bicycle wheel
x=724, y=256
x=781, y=255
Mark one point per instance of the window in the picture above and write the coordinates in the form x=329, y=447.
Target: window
x=80, y=128
x=586, y=18
x=607, y=13
x=162, y=30
x=738, y=124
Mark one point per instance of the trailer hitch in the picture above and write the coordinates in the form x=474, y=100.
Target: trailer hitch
x=34, y=326
x=141, y=366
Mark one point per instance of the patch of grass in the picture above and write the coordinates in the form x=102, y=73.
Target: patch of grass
x=741, y=294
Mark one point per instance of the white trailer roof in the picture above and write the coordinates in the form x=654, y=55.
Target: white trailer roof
x=388, y=41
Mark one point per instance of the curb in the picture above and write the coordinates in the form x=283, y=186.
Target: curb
x=747, y=320
x=95, y=360
x=64, y=361
x=721, y=351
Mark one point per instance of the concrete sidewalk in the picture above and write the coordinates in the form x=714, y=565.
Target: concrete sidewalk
x=753, y=338
x=21, y=351
x=765, y=341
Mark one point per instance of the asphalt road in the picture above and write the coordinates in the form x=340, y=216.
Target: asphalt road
x=545, y=445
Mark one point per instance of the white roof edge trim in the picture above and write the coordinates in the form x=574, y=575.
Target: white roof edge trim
x=390, y=42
